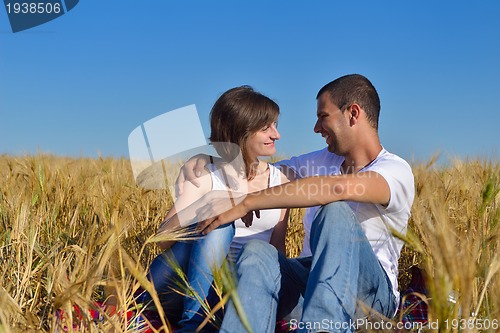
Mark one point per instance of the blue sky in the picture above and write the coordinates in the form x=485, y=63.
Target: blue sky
x=79, y=85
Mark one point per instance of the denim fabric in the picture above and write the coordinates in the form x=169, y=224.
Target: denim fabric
x=341, y=278
x=197, y=259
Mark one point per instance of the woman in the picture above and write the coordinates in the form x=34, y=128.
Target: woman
x=248, y=119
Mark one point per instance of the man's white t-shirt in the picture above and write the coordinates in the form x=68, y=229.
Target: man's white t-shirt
x=377, y=222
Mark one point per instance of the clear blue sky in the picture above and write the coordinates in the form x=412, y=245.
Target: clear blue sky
x=78, y=85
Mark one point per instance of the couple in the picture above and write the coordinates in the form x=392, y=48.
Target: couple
x=359, y=194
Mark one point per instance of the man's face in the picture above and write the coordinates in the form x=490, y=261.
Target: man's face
x=333, y=125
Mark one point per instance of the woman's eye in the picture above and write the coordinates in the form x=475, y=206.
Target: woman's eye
x=265, y=128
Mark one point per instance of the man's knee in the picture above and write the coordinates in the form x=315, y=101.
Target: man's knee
x=335, y=208
x=335, y=212
x=335, y=220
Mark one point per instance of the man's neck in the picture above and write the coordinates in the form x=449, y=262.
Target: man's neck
x=361, y=158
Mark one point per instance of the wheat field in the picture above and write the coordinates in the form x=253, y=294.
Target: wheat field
x=75, y=231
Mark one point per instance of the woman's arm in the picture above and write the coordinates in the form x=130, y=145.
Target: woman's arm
x=278, y=237
x=191, y=193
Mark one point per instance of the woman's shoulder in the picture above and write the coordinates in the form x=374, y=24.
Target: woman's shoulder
x=276, y=176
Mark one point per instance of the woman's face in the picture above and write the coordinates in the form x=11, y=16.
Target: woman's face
x=261, y=143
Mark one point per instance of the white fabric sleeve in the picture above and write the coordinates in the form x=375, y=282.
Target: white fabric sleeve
x=319, y=162
x=398, y=175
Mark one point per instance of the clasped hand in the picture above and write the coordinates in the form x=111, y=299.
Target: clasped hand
x=212, y=210
x=218, y=211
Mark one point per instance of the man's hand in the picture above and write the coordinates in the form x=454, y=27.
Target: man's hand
x=248, y=219
x=191, y=171
x=217, y=212
x=208, y=206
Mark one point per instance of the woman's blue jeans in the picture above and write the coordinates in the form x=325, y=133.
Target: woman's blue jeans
x=197, y=259
x=342, y=273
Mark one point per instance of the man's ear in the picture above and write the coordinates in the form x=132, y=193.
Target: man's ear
x=354, y=113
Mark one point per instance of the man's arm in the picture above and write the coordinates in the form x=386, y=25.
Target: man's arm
x=369, y=187
x=190, y=172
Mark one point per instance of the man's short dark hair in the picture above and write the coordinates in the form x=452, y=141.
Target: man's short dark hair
x=354, y=88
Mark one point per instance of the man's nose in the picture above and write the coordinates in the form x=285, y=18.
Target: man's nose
x=317, y=127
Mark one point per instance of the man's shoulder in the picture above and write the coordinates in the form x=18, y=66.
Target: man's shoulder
x=318, y=152
x=319, y=162
x=391, y=166
x=390, y=159
x=399, y=176
x=318, y=155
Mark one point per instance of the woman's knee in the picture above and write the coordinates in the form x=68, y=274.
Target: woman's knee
x=258, y=265
x=219, y=238
x=256, y=247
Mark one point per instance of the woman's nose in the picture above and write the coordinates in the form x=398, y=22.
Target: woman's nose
x=276, y=134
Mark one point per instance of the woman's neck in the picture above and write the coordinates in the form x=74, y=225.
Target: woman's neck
x=261, y=177
x=257, y=168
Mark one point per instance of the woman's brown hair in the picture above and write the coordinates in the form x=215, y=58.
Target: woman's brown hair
x=237, y=114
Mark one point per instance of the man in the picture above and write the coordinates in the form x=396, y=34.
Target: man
x=365, y=194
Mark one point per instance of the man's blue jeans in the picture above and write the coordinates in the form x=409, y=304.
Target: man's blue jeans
x=342, y=273
x=197, y=259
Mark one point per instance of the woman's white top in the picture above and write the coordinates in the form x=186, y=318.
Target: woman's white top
x=261, y=228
